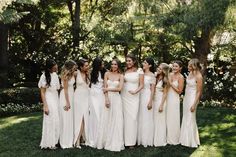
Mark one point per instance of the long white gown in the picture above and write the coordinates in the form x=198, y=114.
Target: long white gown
x=97, y=102
x=114, y=138
x=51, y=128
x=159, y=117
x=66, y=117
x=81, y=108
x=173, y=116
x=145, y=121
x=189, y=131
x=131, y=107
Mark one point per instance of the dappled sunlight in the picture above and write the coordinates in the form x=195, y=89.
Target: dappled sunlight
x=207, y=150
x=10, y=121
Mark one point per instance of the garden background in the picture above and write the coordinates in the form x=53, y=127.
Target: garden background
x=33, y=30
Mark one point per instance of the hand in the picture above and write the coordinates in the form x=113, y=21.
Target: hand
x=105, y=90
x=192, y=109
x=149, y=106
x=161, y=108
x=107, y=103
x=132, y=92
x=67, y=107
x=45, y=109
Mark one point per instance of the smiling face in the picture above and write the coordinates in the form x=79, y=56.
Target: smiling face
x=54, y=68
x=190, y=67
x=114, y=66
x=146, y=66
x=85, y=67
x=176, y=68
x=159, y=69
x=129, y=62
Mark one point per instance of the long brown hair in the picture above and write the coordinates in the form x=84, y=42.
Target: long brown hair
x=81, y=63
x=67, y=70
x=165, y=74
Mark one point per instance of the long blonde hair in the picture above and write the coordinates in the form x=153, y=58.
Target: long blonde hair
x=68, y=70
x=196, y=65
x=165, y=74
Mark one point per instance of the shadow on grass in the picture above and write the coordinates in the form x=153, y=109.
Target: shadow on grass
x=217, y=129
x=20, y=136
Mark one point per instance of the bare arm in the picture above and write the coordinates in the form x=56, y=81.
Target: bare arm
x=45, y=105
x=198, y=94
x=163, y=99
x=65, y=85
x=180, y=87
x=152, y=88
x=107, y=102
x=141, y=84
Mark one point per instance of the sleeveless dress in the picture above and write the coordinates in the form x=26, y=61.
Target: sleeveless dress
x=159, y=117
x=130, y=107
x=51, y=128
x=114, y=138
x=66, y=117
x=81, y=108
x=173, y=115
x=97, y=102
x=145, y=122
x=189, y=131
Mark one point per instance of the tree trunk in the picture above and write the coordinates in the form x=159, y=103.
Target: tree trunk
x=3, y=55
x=76, y=25
x=202, y=48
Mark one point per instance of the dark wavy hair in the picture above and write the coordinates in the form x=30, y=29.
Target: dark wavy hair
x=178, y=62
x=96, y=68
x=151, y=62
x=80, y=65
x=50, y=63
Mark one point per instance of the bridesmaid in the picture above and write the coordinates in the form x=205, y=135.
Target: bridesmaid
x=133, y=84
x=145, y=124
x=97, y=99
x=81, y=103
x=113, y=82
x=189, y=132
x=162, y=85
x=176, y=81
x=66, y=104
x=49, y=86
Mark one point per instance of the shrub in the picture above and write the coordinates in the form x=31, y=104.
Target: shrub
x=14, y=108
x=20, y=95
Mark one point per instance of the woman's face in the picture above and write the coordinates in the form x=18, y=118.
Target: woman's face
x=114, y=66
x=74, y=68
x=159, y=69
x=190, y=67
x=176, y=68
x=54, y=69
x=146, y=65
x=129, y=62
x=85, y=68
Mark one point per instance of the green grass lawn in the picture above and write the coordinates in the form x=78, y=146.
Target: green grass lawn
x=20, y=137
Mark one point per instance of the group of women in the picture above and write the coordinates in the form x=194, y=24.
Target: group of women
x=108, y=109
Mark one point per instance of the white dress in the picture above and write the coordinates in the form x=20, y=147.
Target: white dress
x=173, y=115
x=81, y=108
x=114, y=138
x=97, y=102
x=66, y=117
x=189, y=132
x=145, y=122
x=51, y=129
x=159, y=117
x=130, y=107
